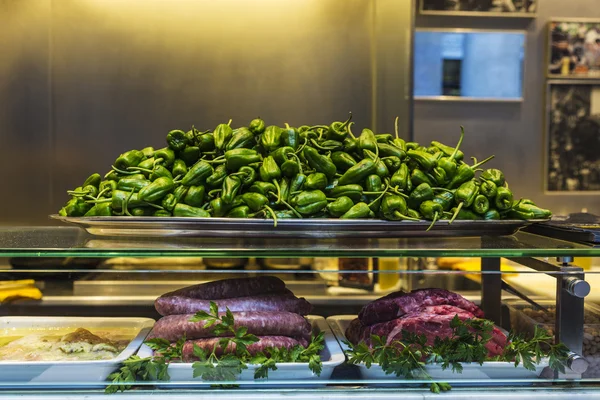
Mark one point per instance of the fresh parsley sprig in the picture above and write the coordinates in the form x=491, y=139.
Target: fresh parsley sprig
x=409, y=356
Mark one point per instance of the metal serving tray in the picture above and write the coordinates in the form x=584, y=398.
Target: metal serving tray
x=69, y=372
x=298, y=228
x=471, y=371
x=331, y=356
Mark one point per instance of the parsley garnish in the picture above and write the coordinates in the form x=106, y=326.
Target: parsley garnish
x=210, y=367
x=409, y=356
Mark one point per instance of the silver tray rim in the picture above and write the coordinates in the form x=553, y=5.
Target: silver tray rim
x=321, y=227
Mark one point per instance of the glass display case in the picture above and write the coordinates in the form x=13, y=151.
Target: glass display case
x=519, y=281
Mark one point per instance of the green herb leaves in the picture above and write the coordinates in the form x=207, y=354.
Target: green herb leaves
x=409, y=356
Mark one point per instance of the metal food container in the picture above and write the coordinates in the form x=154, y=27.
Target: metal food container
x=524, y=318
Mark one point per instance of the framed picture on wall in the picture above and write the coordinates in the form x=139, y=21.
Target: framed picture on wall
x=481, y=8
x=573, y=137
x=574, y=49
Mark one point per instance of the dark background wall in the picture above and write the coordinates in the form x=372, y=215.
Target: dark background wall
x=514, y=132
x=82, y=81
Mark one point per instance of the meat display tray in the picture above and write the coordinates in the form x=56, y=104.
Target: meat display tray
x=181, y=374
x=67, y=373
x=473, y=372
x=294, y=228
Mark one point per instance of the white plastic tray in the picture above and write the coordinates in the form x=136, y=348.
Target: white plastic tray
x=331, y=357
x=67, y=372
x=471, y=371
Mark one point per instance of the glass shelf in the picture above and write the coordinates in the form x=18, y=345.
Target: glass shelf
x=75, y=242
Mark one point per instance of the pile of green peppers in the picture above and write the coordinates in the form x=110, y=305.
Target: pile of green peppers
x=319, y=171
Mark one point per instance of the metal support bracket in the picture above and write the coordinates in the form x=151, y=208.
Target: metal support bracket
x=491, y=289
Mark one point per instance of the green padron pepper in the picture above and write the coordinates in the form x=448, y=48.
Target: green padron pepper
x=392, y=163
x=488, y=189
x=76, y=207
x=445, y=199
x=431, y=210
x=216, y=179
x=448, y=163
x=99, y=210
x=350, y=145
x=206, y=142
x=231, y=187
x=368, y=141
x=538, y=213
x=463, y=214
x=481, y=205
x=421, y=193
x=418, y=177
x=504, y=199
x=318, y=180
x=494, y=175
x=492, y=214
x=129, y=159
x=358, y=173
x=255, y=201
x=380, y=167
x=247, y=175
x=239, y=212
x=448, y=151
x=342, y=160
x=263, y=188
x=160, y=172
x=218, y=207
x=167, y=156
x=290, y=168
x=107, y=187
x=338, y=130
x=241, y=138
x=439, y=175
x=426, y=160
x=93, y=180
x=290, y=137
x=148, y=152
x=194, y=196
x=269, y=170
x=177, y=140
x=394, y=208
x=319, y=162
x=340, y=206
x=465, y=173
x=282, y=154
x=401, y=179
x=183, y=210
x=309, y=202
x=142, y=211
x=121, y=197
x=359, y=210
x=384, y=137
x=146, y=166
x=257, y=126
x=197, y=174
x=387, y=150
x=270, y=140
x=190, y=155
x=222, y=133
x=353, y=191
x=161, y=213
x=399, y=143
x=136, y=184
x=374, y=184
x=157, y=189
x=179, y=168
x=465, y=196
x=297, y=183
x=237, y=158
x=169, y=202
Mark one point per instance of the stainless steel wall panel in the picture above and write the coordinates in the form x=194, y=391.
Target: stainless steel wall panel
x=25, y=136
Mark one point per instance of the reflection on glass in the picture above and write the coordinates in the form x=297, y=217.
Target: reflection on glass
x=469, y=64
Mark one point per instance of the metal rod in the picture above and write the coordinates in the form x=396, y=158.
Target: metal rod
x=491, y=289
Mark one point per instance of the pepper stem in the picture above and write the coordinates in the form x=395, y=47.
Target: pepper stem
x=456, y=212
x=474, y=166
x=462, y=135
x=229, y=123
x=435, y=216
x=396, y=125
x=400, y=215
x=345, y=124
x=302, y=146
x=123, y=172
x=278, y=190
x=350, y=130
x=272, y=215
x=380, y=196
x=292, y=209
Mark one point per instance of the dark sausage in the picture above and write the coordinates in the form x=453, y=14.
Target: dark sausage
x=229, y=288
x=263, y=342
x=268, y=302
x=260, y=323
x=354, y=331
